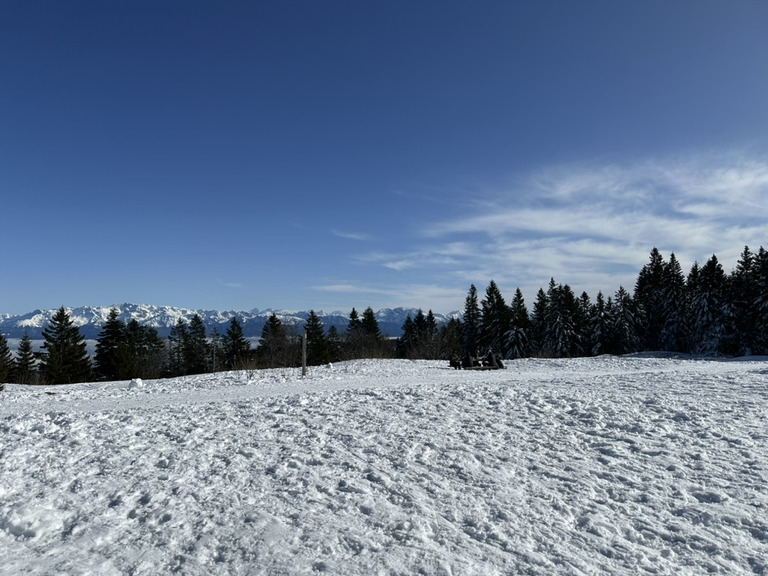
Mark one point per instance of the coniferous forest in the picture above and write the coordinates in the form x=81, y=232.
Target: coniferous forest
x=707, y=312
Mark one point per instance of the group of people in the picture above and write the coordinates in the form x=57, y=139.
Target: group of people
x=489, y=360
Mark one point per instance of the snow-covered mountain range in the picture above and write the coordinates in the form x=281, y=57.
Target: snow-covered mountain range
x=91, y=319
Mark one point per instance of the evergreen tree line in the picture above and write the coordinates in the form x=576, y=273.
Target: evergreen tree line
x=707, y=312
x=281, y=346
x=129, y=350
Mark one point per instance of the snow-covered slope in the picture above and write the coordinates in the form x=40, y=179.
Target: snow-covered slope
x=584, y=466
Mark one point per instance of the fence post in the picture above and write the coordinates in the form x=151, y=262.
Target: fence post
x=304, y=353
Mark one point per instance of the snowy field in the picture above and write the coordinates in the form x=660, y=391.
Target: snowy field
x=584, y=466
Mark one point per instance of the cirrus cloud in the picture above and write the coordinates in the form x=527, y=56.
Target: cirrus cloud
x=592, y=226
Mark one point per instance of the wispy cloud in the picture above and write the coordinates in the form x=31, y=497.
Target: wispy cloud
x=427, y=296
x=593, y=225
x=350, y=235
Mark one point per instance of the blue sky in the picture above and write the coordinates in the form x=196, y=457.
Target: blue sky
x=325, y=155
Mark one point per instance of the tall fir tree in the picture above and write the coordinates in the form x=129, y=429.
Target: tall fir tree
x=674, y=333
x=561, y=337
x=517, y=337
x=25, y=370
x=130, y=352
x=373, y=339
x=761, y=303
x=370, y=325
x=177, y=345
x=318, y=351
x=236, y=348
x=429, y=338
x=494, y=320
x=145, y=355
x=354, y=324
x=419, y=337
x=64, y=358
x=539, y=322
x=111, y=348
x=273, y=350
x=625, y=331
x=582, y=322
x=708, y=309
x=471, y=323
x=354, y=336
x=743, y=294
x=601, y=321
x=649, y=300
x=422, y=339
x=6, y=360
x=407, y=342
x=197, y=349
x=335, y=344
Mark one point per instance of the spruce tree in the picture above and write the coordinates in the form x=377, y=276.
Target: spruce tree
x=354, y=336
x=743, y=295
x=471, y=323
x=539, y=322
x=318, y=351
x=370, y=325
x=430, y=343
x=649, y=301
x=601, y=321
x=64, y=359
x=422, y=340
x=761, y=303
x=625, y=331
x=197, y=350
x=708, y=308
x=235, y=346
x=494, y=320
x=354, y=323
x=420, y=337
x=335, y=344
x=273, y=345
x=177, y=345
x=373, y=339
x=674, y=334
x=111, y=348
x=6, y=360
x=24, y=369
x=583, y=314
x=406, y=344
x=423, y=337
x=130, y=352
x=560, y=334
x=517, y=337
x=146, y=351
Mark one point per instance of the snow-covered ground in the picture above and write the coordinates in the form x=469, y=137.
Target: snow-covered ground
x=584, y=466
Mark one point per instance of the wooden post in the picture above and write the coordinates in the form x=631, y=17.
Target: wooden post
x=304, y=353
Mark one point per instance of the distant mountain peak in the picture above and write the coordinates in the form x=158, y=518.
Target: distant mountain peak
x=91, y=319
